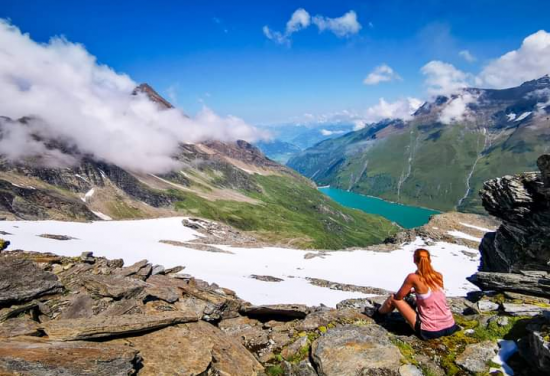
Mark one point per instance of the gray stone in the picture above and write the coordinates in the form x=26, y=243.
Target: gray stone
x=111, y=326
x=192, y=349
x=349, y=350
x=475, y=357
x=522, y=309
x=514, y=282
x=87, y=257
x=157, y=269
x=134, y=269
x=487, y=306
x=21, y=326
x=535, y=348
x=409, y=370
x=298, y=311
x=36, y=357
x=22, y=280
x=80, y=306
x=113, y=286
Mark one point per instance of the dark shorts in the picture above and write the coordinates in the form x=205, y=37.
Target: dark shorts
x=427, y=334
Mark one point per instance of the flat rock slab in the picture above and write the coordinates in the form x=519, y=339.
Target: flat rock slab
x=522, y=309
x=113, y=286
x=22, y=280
x=110, y=326
x=19, y=327
x=39, y=357
x=354, y=350
x=291, y=311
x=475, y=357
x=514, y=282
x=192, y=349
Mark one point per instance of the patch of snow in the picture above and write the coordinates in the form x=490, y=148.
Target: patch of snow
x=90, y=193
x=435, y=228
x=511, y=116
x=139, y=239
x=507, y=349
x=462, y=235
x=105, y=217
x=81, y=177
x=22, y=186
x=477, y=227
x=523, y=116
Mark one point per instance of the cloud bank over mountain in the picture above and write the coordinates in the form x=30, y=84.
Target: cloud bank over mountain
x=67, y=96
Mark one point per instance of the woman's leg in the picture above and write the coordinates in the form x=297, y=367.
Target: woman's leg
x=387, y=306
x=406, y=311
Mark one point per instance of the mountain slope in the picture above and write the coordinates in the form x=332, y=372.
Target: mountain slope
x=437, y=164
x=230, y=182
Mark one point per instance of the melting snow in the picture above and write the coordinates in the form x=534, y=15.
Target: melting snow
x=507, y=349
x=105, y=217
x=511, y=116
x=137, y=240
x=523, y=116
x=462, y=235
x=477, y=227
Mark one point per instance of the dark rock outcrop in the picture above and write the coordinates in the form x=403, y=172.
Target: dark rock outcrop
x=522, y=202
x=23, y=280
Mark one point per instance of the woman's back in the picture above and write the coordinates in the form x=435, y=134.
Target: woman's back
x=433, y=310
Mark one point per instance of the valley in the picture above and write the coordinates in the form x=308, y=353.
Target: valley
x=428, y=162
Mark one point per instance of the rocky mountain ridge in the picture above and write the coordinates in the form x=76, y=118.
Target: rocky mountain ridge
x=230, y=182
x=443, y=155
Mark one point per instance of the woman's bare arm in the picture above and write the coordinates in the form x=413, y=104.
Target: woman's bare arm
x=405, y=289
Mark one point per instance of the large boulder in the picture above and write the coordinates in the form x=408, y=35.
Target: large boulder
x=22, y=280
x=192, y=349
x=475, y=357
x=522, y=202
x=36, y=357
x=536, y=346
x=524, y=283
x=354, y=350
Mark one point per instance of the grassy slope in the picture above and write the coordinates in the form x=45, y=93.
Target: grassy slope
x=293, y=212
x=441, y=162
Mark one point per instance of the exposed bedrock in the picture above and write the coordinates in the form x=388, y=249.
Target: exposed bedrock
x=522, y=203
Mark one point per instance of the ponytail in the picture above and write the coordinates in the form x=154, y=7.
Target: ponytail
x=425, y=271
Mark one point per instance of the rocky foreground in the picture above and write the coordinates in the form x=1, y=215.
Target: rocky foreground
x=93, y=316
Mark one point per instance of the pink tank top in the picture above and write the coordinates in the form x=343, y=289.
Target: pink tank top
x=433, y=311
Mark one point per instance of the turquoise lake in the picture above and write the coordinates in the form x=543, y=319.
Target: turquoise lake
x=405, y=216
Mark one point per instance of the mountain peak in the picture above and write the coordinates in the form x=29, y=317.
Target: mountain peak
x=544, y=81
x=152, y=95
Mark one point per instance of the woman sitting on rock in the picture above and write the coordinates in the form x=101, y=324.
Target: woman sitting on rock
x=434, y=318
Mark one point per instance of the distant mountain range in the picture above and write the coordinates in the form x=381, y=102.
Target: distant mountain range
x=290, y=139
x=231, y=182
x=441, y=157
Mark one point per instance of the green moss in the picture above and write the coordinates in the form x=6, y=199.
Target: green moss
x=323, y=329
x=406, y=350
x=275, y=370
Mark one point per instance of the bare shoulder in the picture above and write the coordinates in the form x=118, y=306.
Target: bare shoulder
x=412, y=277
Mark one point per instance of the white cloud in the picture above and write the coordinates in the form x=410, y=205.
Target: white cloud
x=457, y=109
x=530, y=61
x=326, y=132
x=340, y=26
x=444, y=79
x=301, y=19
x=466, y=55
x=69, y=97
x=382, y=73
x=400, y=109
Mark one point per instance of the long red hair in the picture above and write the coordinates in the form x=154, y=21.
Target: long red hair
x=425, y=271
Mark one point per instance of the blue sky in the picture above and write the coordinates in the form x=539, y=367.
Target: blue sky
x=215, y=52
